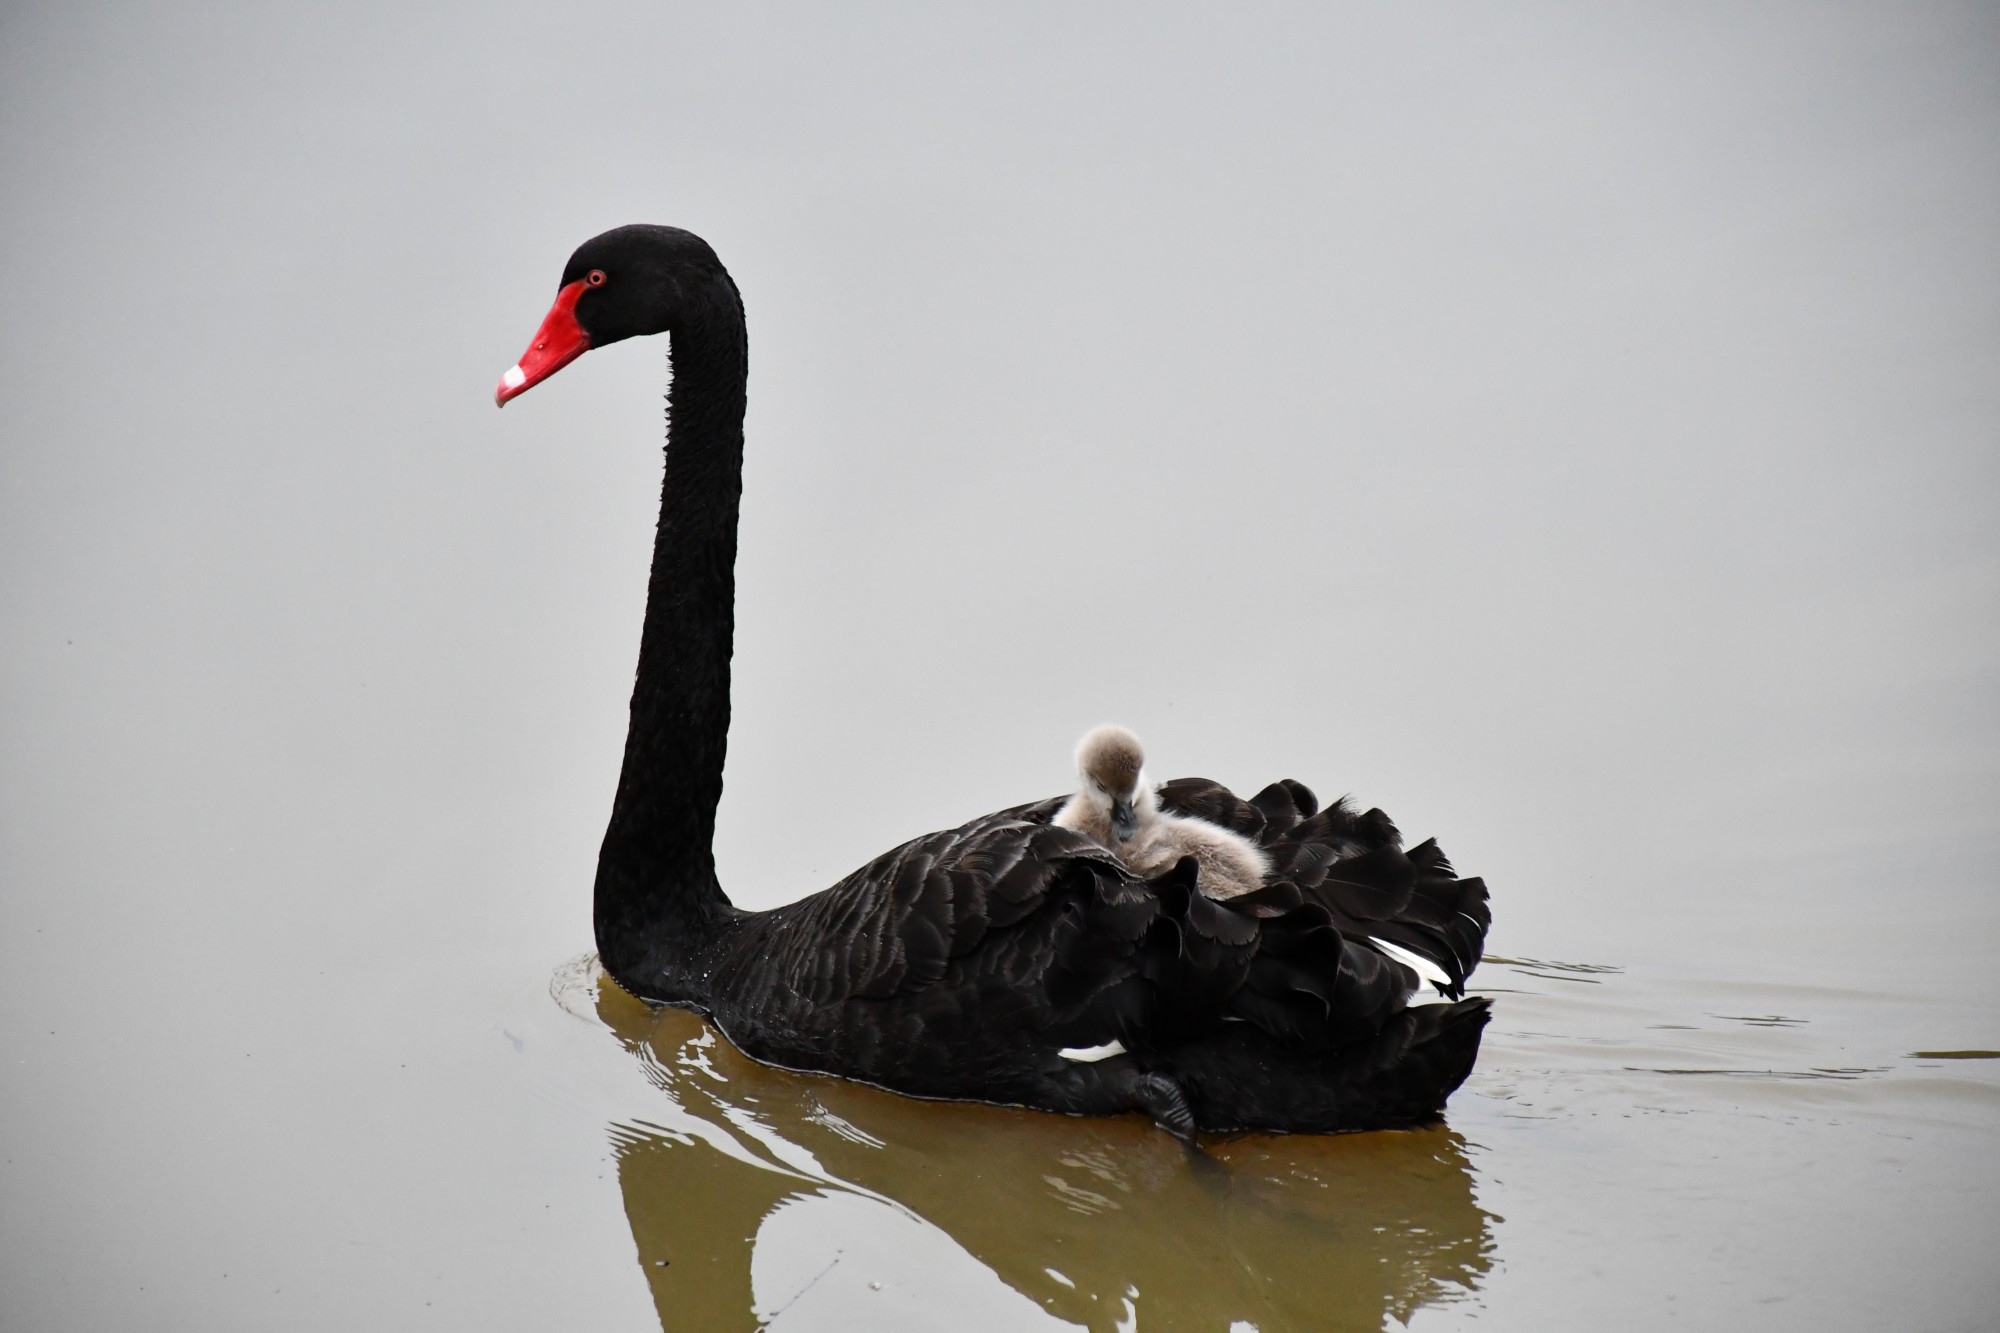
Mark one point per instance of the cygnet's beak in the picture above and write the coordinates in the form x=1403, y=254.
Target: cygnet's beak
x=1123, y=822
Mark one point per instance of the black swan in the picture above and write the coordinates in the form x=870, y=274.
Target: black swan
x=1007, y=960
x=1119, y=810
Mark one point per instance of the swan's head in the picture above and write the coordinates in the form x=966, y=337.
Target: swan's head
x=628, y=282
x=1112, y=767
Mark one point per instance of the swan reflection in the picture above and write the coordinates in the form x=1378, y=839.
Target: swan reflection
x=1103, y=1222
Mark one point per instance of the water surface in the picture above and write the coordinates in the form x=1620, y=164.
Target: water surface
x=1632, y=1152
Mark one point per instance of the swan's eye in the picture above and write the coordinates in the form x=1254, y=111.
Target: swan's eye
x=596, y=278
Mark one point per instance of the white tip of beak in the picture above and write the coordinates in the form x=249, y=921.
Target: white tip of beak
x=514, y=378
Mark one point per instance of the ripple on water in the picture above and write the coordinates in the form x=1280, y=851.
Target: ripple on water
x=773, y=1195
x=757, y=1195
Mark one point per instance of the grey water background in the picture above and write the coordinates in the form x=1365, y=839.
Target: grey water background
x=1570, y=428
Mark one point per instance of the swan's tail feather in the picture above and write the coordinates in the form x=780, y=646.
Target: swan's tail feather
x=1444, y=920
x=1399, y=1076
x=1314, y=988
x=1353, y=864
x=1412, y=899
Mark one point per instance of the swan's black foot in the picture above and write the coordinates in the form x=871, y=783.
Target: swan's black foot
x=1162, y=1098
x=1209, y=1171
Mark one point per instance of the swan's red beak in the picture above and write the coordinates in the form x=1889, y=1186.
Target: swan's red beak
x=558, y=342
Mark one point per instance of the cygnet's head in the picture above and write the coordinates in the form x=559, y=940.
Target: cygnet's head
x=1110, y=763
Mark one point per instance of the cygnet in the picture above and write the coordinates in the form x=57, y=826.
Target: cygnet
x=1118, y=809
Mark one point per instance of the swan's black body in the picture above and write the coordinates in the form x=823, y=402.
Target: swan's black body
x=964, y=962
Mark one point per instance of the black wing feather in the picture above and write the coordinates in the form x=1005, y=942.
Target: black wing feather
x=1017, y=937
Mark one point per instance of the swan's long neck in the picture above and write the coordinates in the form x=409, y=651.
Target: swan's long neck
x=659, y=908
